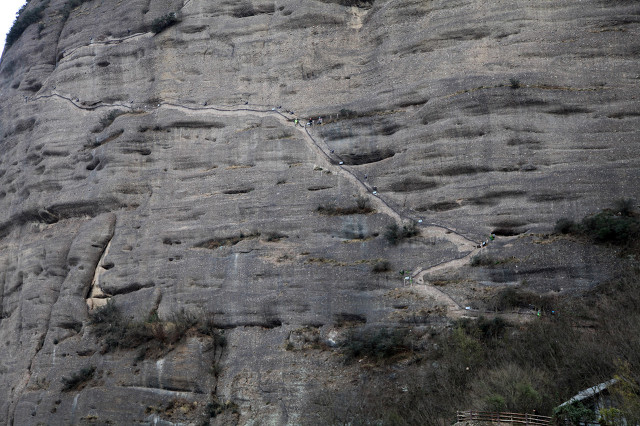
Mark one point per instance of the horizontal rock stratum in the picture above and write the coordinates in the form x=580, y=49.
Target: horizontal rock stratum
x=162, y=169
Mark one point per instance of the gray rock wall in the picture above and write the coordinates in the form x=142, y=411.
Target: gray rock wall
x=151, y=169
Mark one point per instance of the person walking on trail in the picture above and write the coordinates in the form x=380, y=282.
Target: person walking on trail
x=295, y=121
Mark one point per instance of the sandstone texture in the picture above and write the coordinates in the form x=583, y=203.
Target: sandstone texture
x=164, y=172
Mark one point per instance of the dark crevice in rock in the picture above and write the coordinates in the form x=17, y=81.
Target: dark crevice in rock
x=493, y=197
x=440, y=207
x=130, y=288
x=344, y=318
x=411, y=184
x=267, y=323
x=193, y=124
x=552, y=196
x=411, y=103
x=245, y=9
x=569, y=110
x=141, y=151
x=318, y=188
x=508, y=223
x=458, y=170
x=214, y=243
x=367, y=158
x=57, y=212
x=237, y=191
x=506, y=232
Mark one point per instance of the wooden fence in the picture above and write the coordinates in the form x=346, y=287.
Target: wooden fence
x=506, y=418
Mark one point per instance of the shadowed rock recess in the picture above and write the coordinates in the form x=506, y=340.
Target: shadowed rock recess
x=151, y=171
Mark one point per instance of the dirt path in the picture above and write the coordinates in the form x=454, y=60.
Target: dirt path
x=454, y=310
x=322, y=159
x=463, y=244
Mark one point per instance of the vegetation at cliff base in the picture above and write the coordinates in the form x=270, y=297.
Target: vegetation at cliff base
x=574, y=341
x=69, y=6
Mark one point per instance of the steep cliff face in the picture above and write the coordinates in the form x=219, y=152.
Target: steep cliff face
x=164, y=171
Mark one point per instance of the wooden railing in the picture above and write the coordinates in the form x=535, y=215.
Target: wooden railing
x=506, y=418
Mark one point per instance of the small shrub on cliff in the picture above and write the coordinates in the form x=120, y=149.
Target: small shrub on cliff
x=619, y=225
x=394, y=234
x=108, y=119
x=23, y=20
x=381, y=266
x=153, y=336
x=163, y=22
x=77, y=379
x=69, y=6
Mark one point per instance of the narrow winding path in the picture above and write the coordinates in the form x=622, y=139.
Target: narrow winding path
x=328, y=160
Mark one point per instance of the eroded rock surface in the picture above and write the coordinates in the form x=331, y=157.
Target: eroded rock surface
x=165, y=172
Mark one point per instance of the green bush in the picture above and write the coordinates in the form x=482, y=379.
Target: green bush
x=574, y=414
x=606, y=227
x=394, y=234
x=514, y=83
x=163, y=22
x=618, y=226
x=69, y=6
x=23, y=20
